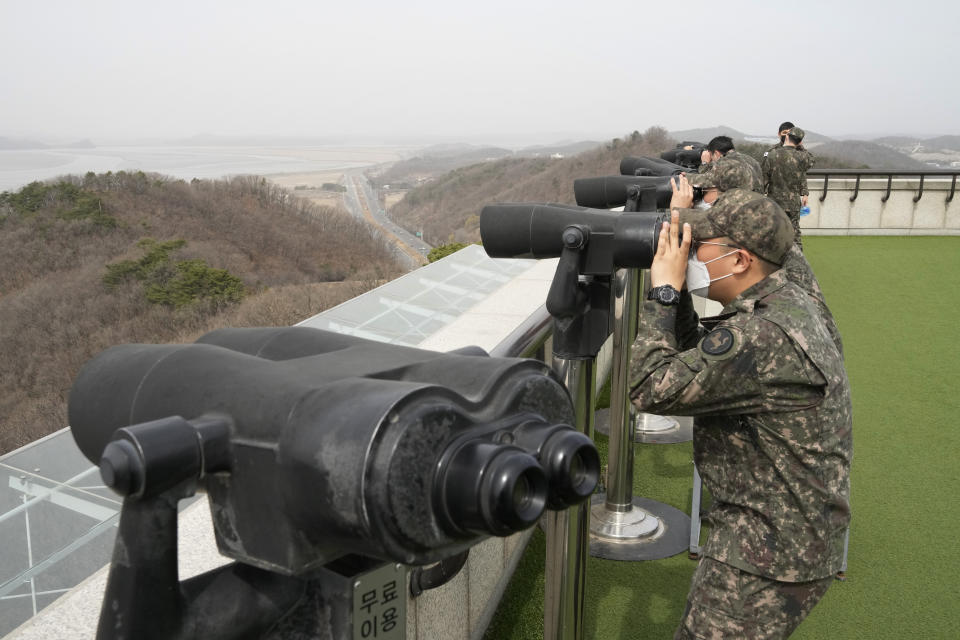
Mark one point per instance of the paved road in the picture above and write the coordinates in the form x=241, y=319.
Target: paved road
x=363, y=203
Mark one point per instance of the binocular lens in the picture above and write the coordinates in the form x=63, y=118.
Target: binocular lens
x=522, y=494
x=517, y=492
x=491, y=489
x=573, y=465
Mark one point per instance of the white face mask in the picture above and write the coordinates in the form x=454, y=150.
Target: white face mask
x=703, y=205
x=698, y=277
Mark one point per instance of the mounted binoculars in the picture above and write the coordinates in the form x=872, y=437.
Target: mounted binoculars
x=312, y=445
x=689, y=158
x=606, y=241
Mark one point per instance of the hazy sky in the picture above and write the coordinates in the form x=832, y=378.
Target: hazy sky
x=481, y=71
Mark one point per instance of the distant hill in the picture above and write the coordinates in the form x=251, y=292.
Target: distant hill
x=16, y=144
x=432, y=162
x=566, y=149
x=707, y=134
x=217, y=140
x=462, y=150
x=909, y=144
x=951, y=143
x=897, y=141
x=130, y=257
x=866, y=154
x=447, y=208
x=80, y=144
x=439, y=159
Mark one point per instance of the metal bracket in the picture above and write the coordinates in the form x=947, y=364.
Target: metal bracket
x=856, y=189
x=919, y=195
x=886, y=196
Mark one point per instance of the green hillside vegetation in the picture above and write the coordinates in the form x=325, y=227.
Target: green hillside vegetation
x=434, y=161
x=448, y=209
x=128, y=257
x=939, y=143
x=951, y=143
x=865, y=155
x=437, y=160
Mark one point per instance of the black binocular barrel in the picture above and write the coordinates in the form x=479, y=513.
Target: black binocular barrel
x=613, y=191
x=685, y=157
x=656, y=166
x=342, y=444
x=525, y=230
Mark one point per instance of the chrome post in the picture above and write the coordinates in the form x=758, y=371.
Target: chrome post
x=567, y=532
x=624, y=527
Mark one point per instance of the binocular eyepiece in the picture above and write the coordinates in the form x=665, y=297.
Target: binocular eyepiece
x=312, y=444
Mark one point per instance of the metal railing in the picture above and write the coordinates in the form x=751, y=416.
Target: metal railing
x=889, y=174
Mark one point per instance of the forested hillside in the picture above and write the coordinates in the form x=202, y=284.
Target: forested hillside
x=106, y=259
x=448, y=208
x=866, y=154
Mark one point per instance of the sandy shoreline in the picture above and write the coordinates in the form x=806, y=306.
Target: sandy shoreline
x=308, y=185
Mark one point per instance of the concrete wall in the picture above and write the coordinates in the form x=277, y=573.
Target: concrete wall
x=867, y=214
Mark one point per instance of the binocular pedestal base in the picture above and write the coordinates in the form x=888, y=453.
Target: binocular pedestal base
x=653, y=429
x=650, y=530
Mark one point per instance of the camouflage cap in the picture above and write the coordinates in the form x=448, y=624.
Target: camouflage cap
x=724, y=174
x=754, y=222
x=797, y=133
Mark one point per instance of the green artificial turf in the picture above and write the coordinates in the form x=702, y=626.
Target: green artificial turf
x=894, y=299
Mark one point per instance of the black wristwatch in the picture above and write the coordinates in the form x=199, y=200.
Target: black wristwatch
x=665, y=295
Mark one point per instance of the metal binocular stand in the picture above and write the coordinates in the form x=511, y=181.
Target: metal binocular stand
x=624, y=527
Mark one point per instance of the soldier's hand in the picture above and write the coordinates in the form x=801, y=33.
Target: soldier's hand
x=669, y=265
x=803, y=199
x=682, y=193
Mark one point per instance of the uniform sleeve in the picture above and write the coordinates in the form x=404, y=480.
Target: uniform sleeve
x=766, y=166
x=688, y=329
x=807, y=164
x=738, y=368
x=800, y=272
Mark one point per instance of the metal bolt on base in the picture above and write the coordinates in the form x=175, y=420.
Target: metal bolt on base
x=652, y=423
x=649, y=530
x=652, y=429
x=633, y=524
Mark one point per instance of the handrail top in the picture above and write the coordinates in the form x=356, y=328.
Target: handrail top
x=883, y=172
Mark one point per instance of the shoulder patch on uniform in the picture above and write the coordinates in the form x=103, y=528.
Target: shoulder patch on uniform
x=766, y=153
x=719, y=343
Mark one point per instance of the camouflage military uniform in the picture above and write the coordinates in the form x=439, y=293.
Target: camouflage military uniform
x=753, y=164
x=799, y=272
x=785, y=180
x=772, y=442
x=732, y=171
x=766, y=154
x=769, y=609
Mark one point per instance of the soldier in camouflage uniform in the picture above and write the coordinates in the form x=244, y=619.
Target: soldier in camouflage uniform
x=785, y=177
x=720, y=153
x=782, y=134
x=773, y=435
x=723, y=175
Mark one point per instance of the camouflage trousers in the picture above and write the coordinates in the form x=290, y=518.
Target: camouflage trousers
x=795, y=220
x=727, y=603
